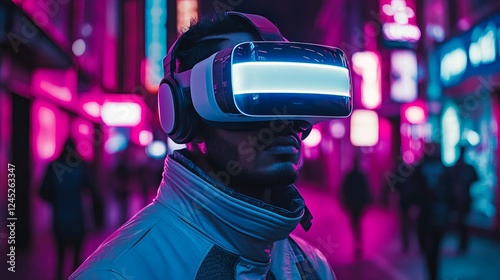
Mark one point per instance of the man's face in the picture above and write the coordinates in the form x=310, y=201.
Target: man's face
x=261, y=157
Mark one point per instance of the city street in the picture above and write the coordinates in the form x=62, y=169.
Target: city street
x=383, y=257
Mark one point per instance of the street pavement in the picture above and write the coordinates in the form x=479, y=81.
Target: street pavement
x=383, y=257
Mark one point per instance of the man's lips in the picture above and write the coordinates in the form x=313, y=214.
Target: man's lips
x=289, y=140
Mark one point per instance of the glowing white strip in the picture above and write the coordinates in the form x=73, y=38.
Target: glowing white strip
x=121, y=113
x=289, y=77
x=364, y=128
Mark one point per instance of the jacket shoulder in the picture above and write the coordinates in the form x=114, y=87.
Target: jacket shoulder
x=154, y=244
x=314, y=256
x=99, y=274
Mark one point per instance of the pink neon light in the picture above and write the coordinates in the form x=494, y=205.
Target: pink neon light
x=46, y=139
x=395, y=31
x=82, y=133
x=337, y=129
x=84, y=129
x=415, y=114
x=61, y=93
x=399, y=20
x=313, y=139
x=109, y=67
x=367, y=65
x=92, y=108
x=145, y=137
x=399, y=11
x=409, y=157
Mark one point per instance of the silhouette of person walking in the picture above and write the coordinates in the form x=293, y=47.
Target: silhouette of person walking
x=355, y=195
x=62, y=186
x=435, y=205
x=462, y=175
x=408, y=201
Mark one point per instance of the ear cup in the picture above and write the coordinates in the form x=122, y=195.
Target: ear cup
x=178, y=117
x=166, y=108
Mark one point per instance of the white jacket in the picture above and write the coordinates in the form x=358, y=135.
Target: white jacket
x=198, y=229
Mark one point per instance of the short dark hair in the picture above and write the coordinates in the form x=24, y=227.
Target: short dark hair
x=190, y=49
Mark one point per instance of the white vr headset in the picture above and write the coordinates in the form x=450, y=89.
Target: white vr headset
x=257, y=81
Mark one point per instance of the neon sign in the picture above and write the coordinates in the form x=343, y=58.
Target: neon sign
x=156, y=42
x=453, y=63
x=58, y=85
x=399, y=21
x=367, y=65
x=364, y=128
x=404, y=72
x=472, y=53
x=482, y=49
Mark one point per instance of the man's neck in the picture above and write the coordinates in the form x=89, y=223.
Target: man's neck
x=260, y=193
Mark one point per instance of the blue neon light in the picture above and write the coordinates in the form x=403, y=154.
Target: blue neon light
x=156, y=39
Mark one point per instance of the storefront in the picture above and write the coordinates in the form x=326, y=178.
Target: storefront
x=464, y=87
x=40, y=106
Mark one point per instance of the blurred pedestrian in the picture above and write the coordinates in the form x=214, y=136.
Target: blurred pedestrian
x=435, y=203
x=62, y=186
x=462, y=175
x=355, y=195
x=408, y=203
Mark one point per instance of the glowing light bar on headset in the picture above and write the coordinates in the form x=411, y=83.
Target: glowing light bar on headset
x=289, y=77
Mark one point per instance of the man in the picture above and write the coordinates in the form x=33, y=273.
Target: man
x=64, y=191
x=356, y=197
x=462, y=176
x=435, y=198
x=225, y=207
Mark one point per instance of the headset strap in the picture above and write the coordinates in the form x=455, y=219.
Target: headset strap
x=267, y=31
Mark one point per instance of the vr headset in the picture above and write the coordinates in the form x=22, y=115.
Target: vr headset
x=255, y=82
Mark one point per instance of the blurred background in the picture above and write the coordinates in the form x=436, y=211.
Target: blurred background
x=423, y=72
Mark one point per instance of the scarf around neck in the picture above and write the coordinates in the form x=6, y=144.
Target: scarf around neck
x=238, y=223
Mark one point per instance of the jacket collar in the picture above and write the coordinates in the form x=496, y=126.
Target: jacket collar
x=237, y=223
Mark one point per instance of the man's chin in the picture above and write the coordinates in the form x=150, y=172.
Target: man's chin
x=283, y=175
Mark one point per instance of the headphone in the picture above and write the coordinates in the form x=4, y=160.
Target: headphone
x=178, y=118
